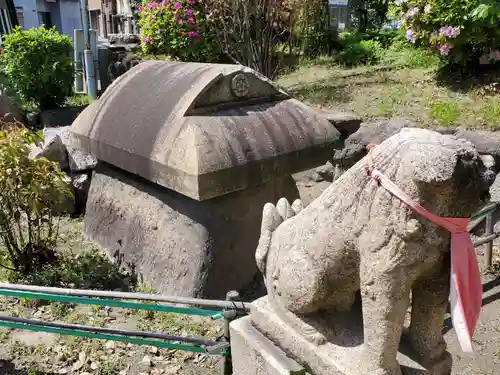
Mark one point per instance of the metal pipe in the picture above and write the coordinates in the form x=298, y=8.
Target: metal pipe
x=489, y=244
x=87, y=53
x=83, y=328
x=484, y=240
x=227, y=364
x=479, y=216
x=240, y=306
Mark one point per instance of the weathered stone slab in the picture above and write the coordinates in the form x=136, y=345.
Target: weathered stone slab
x=339, y=356
x=346, y=123
x=375, y=132
x=203, y=130
x=174, y=243
x=254, y=354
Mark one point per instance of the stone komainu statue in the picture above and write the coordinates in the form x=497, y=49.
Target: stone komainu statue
x=357, y=236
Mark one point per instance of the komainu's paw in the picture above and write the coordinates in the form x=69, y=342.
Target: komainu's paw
x=272, y=217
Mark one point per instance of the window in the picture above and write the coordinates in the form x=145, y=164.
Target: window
x=44, y=19
x=5, y=22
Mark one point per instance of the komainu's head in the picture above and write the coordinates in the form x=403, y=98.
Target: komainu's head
x=441, y=172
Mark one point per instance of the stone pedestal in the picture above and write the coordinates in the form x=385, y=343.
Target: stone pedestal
x=255, y=354
x=340, y=356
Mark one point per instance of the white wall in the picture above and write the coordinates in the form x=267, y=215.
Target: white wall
x=29, y=11
x=70, y=17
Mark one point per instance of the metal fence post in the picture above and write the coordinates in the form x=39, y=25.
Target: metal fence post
x=489, y=246
x=227, y=364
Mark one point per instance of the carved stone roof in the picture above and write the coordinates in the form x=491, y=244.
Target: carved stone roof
x=203, y=130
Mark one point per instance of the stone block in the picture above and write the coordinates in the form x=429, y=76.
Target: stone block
x=339, y=356
x=174, y=243
x=254, y=354
x=346, y=123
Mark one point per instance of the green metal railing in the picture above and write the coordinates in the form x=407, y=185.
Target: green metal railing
x=489, y=235
x=226, y=310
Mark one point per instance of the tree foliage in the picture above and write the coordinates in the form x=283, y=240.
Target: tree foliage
x=31, y=190
x=38, y=65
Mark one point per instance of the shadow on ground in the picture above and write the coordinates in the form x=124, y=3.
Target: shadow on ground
x=88, y=270
x=447, y=325
x=483, y=79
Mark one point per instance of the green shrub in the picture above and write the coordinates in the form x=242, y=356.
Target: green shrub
x=363, y=52
x=401, y=53
x=445, y=112
x=462, y=31
x=38, y=65
x=31, y=190
x=179, y=29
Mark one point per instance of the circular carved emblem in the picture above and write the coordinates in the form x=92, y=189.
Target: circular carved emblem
x=240, y=85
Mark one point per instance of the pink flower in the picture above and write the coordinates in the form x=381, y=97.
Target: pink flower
x=178, y=5
x=449, y=31
x=181, y=22
x=147, y=40
x=139, y=8
x=444, y=49
x=189, y=12
x=190, y=20
x=193, y=34
x=494, y=55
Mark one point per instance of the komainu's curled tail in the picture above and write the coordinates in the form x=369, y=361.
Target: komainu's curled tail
x=272, y=217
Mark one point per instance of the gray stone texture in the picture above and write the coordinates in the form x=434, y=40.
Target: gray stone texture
x=254, y=354
x=486, y=142
x=203, y=130
x=179, y=245
x=375, y=132
x=346, y=123
x=357, y=236
x=341, y=355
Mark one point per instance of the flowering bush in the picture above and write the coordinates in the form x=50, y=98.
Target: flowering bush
x=178, y=28
x=462, y=31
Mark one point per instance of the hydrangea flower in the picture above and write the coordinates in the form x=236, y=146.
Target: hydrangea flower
x=495, y=55
x=410, y=36
x=449, y=31
x=178, y=5
x=147, y=40
x=412, y=12
x=444, y=49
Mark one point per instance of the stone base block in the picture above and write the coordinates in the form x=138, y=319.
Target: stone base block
x=254, y=354
x=341, y=355
x=176, y=244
